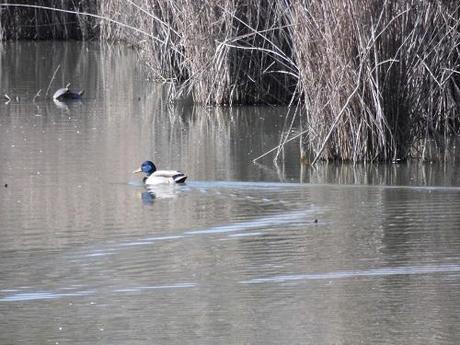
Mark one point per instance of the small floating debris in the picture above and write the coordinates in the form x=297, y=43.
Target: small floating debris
x=315, y=221
x=6, y=185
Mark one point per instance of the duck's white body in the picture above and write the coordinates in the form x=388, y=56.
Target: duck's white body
x=165, y=177
x=156, y=177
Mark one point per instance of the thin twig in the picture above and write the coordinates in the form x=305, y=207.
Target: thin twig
x=280, y=145
x=36, y=95
x=110, y=20
x=52, y=78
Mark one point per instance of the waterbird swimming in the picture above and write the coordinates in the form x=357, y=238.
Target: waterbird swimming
x=154, y=176
x=65, y=93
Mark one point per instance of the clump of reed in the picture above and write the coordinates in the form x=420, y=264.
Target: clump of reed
x=25, y=19
x=230, y=52
x=379, y=78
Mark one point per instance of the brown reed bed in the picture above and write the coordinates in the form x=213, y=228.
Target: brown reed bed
x=228, y=52
x=373, y=80
x=379, y=78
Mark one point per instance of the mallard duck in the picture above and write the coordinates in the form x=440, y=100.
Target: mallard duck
x=154, y=176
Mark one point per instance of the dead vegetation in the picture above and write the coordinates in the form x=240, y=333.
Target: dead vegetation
x=379, y=78
x=370, y=80
x=218, y=52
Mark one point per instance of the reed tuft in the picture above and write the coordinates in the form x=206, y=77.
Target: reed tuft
x=379, y=78
x=229, y=52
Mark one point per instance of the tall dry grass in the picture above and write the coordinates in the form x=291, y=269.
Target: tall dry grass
x=219, y=52
x=370, y=79
x=379, y=78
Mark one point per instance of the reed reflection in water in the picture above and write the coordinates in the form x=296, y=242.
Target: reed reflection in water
x=242, y=253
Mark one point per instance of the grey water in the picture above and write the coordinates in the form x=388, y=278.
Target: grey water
x=242, y=254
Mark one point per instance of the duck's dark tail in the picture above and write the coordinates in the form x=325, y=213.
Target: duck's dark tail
x=179, y=178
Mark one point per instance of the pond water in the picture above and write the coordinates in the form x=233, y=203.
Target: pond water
x=242, y=254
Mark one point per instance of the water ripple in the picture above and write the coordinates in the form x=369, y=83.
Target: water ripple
x=33, y=296
x=48, y=295
x=262, y=222
x=387, y=271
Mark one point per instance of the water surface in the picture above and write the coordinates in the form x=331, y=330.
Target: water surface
x=242, y=254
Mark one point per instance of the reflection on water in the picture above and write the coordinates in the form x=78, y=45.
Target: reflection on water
x=243, y=253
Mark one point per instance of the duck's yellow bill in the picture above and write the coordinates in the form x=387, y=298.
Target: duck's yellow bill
x=137, y=171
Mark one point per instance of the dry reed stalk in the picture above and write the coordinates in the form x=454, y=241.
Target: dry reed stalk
x=27, y=19
x=84, y=14
x=36, y=95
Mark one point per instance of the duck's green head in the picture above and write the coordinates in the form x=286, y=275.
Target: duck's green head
x=147, y=168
